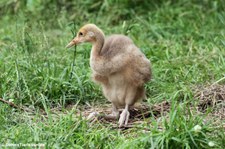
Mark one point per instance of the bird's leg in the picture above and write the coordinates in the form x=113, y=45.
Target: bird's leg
x=124, y=116
x=114, y=114
x=129, y=100
x=115, y=111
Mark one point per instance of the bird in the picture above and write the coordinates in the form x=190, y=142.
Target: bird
x=119, y=66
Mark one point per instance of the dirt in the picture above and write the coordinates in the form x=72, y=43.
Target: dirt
x=211, y=101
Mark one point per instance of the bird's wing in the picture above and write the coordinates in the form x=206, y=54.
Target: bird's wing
x=106, y=66
x=139, y=70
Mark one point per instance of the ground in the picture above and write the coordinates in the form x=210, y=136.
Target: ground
x=46, y=92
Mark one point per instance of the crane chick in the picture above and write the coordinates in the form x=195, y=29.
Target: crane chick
x=118, y=66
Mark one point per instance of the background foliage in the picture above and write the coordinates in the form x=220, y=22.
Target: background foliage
x=184, y=40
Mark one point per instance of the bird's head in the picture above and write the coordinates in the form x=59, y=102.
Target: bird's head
x=87, y=33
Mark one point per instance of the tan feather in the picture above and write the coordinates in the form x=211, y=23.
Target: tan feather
x=118, y=66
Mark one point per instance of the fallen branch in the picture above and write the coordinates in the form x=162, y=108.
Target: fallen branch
x=11, y=104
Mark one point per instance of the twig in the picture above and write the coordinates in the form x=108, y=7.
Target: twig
x=74, y=54
x=14, y=105
x=10, y=103
x=73, y=63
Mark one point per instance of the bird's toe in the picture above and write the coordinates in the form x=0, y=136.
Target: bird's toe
x=124, y=117
x=114, y=114
x=92, y=116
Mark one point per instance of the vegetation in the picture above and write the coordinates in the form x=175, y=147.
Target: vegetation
x=185, y=41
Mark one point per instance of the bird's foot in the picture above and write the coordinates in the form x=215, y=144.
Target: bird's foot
x=124, y=117
x=113, y=116
x=92, y=116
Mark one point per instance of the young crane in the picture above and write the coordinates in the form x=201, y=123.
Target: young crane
x=118, y=66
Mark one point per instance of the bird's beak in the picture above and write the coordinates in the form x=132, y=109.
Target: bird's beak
x=72, y=43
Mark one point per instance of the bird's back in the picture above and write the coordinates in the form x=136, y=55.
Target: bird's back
x=136, y=66
x=116, y=44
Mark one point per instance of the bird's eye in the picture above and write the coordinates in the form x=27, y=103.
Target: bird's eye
x=81, y=34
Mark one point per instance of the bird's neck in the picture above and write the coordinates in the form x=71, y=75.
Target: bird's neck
x=97, y=45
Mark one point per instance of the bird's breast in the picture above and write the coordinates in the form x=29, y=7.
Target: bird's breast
x=115, y=91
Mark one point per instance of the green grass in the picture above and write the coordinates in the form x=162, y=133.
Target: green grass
x=185, y=41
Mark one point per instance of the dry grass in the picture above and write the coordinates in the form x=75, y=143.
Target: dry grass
x=212, y=101
x=211, y=97
x=138, y=114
